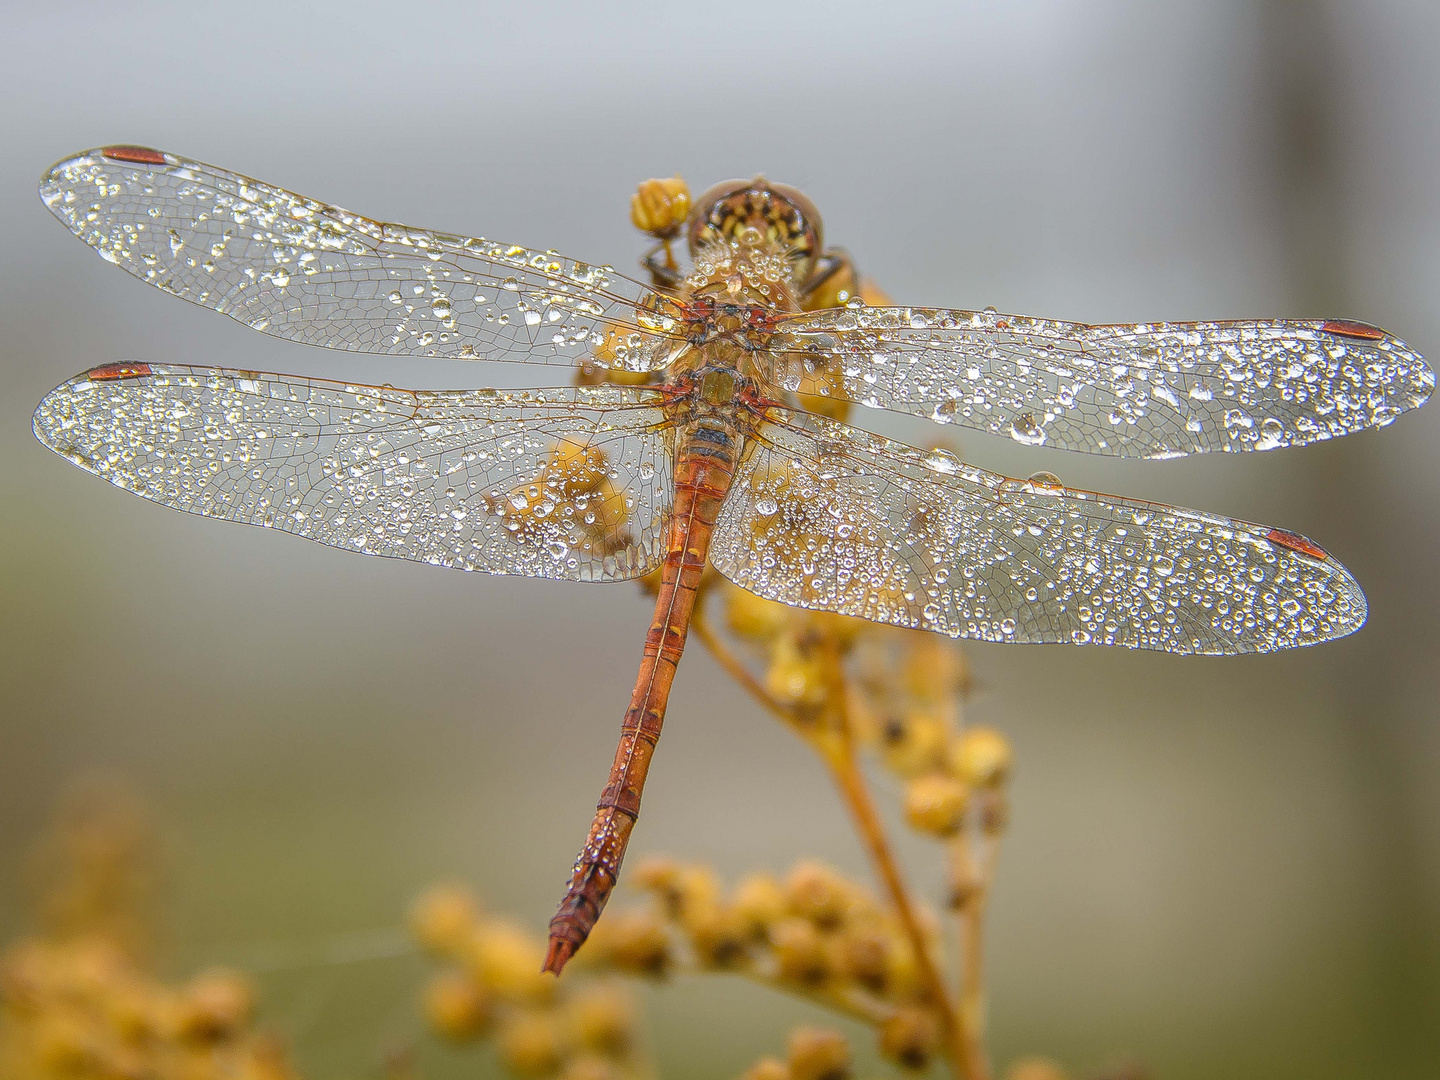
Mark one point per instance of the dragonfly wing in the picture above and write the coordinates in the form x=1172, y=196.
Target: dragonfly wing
x=306, y=271
x=571, y=483
x=834, y=518
x=1158, y=390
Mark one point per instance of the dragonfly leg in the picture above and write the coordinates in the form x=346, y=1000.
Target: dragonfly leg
x=663, y=271
x=830, y=263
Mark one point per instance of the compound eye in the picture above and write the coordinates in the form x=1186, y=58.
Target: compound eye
x=808, y=214
x=710, y=214
x=736, y=209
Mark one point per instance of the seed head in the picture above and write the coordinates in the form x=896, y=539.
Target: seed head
x=818, y=1054
x=982, y=757
x=767, y=1068
x=935, y=804
x=636, y=942
x=759, y=902
x=530, y=1044
x=910, y=1037
x=602, y=1019
x=443, y=920
x=456, y=1006
x=800, y=953
x=815, y=892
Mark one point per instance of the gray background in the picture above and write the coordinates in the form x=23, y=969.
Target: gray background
x=1224, y=868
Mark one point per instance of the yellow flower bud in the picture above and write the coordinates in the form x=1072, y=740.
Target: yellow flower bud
x=215, y=1006
x=456, y=1006
x=910, y=1038
x=935, y=804
x=982, y=757
x=818, y=1054
x=602, y=514
x=443, y=920
x=862, y=954
x=795, y=676
x=842, y=629
x=63, y=1045
x=815, y=892
x=632, y=941
x=873, y=295
x=602, y=1018
x=993, y=809
x=717, y=934
x=530, y=1044
x=589, y=1067
x=934, y=670
x=1035, y=1068
x=660, y=875
x=914, y=742
x=507, y=960
x=575, y=465
x=823, y=392
x=660, y=207
x=767, y=1068
x=759, y=902
x=131, y=1011
x=698, y=889
x=800, y=953
x=903, y=981
x=753, y=617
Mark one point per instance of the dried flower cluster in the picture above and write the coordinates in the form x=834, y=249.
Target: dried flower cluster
x=491, y=988
x=77, y=1000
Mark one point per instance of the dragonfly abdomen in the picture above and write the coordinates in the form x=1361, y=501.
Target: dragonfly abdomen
x=704, y=470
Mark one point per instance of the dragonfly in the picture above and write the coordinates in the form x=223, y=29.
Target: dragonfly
x=694, y=448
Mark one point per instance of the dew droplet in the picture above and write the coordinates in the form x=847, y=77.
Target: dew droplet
x=1272, y=433
x=1024, y=429
x=943, y=461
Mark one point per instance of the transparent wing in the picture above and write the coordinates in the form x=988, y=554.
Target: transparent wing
x=841, y=520
x=1158, y=390
x=305, y=271
x=571, y=483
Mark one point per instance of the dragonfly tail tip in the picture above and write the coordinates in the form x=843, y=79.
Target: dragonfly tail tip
x=558, y=955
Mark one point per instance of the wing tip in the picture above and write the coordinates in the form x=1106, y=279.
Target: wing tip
x=1415, y=375
x=54, y=178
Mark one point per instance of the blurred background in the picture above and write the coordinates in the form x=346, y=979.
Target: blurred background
x=1218, y=867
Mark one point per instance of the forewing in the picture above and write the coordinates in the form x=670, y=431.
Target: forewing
x=310, y=272
x=572, y=483
x=1155, y=391
x=838, y=519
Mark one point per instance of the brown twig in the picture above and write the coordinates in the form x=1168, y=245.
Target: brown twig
x=854, y=1005
x=970, y=918
x=851, y=780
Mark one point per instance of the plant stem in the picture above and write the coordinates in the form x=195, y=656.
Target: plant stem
x=737, y=670
x=838, y=753
x=854, y=1005
x=970, y=917
x=851, y=781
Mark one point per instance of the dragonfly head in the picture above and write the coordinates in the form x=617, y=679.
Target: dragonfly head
x=759, y=213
